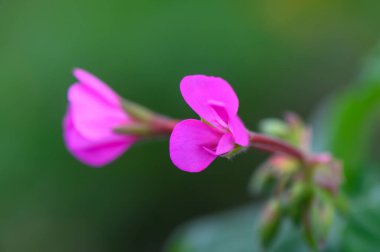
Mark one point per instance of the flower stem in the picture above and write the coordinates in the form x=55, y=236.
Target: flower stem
x=158, y=124
x=273, y=145
x=163, y=125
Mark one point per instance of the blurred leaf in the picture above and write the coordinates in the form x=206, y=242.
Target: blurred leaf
x=345, y=123
x=362, y=230
x=236, y=231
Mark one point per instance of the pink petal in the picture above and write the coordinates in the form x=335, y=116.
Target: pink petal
x=199, y=90
x=231, y=122
x=94, y=117
x=189, y=144
x=225, y=145
x=238, y=130
x=97, y=86
x=94, y=153
x=221, y=116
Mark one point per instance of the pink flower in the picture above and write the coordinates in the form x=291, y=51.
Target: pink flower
x=194, y=144
x=94, y=111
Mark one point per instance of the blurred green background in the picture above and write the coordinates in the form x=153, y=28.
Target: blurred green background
x=278, y=55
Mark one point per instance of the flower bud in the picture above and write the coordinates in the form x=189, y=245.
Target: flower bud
x=278, y=168
x=283, y=165
x=263, y=179
x=271, y=220
x=292, y=130
x=322, y=218
x=329, y=176
x=300, y=195
x=274, y=128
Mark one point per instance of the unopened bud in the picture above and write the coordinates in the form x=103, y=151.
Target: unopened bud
x=294, y=121
x=262, y=179
x=271, y=220
x=283, y=165
x=278, y=168
x=322, y=217
x=300, y=195
x=329, y=176
x=300, y=134
x=292, y=130
x=274, y=128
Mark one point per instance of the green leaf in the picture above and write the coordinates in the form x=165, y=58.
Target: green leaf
x=236, y=231
x=362, y=230
x=345, y=123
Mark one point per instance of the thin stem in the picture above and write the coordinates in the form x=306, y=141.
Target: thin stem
x=163, y=125
x=159, y=124
x=273, y=145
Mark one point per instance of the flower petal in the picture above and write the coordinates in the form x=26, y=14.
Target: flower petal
x=97, y=86
x=221, y=115
x=189, y=144
x=94, y=153
x=238, y=130
x=93, y=117
x=199, y=90
x=225, y=144
x=232, y=122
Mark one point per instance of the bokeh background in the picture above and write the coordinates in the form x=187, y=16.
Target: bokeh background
x=278, y=55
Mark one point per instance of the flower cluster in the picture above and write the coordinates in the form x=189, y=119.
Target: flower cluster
x=99, y=126
x=303, y=190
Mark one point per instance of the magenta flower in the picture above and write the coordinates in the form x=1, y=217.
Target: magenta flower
x=194, y=144
x=93, y=113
